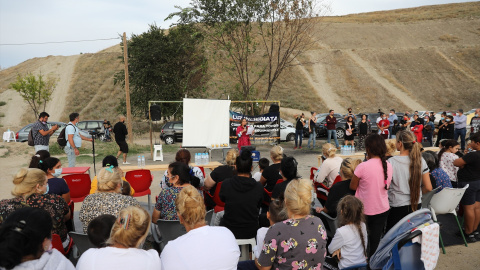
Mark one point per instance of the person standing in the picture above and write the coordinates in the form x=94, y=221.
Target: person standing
x=74, y=139
x=383, y=126
x=442, y=127
x=332, y=127
x=469, y=174
x=300, y=123
x=121, y=133
x=107, y=127
x=41, y=133
x=428, y=130
x=475, y=122
x=391, y=118
x=364, y=129
x=350, y=114
x=312, y=129
x=460, y=127
x=349, y=131
x=243, y=137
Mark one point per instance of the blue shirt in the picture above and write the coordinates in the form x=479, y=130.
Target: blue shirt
x=72, y=129
x=460, y=121
x=392, y=118
x=442, y=179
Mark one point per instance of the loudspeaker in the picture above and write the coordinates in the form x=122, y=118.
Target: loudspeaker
x=274, y=108
x=250, y=148
x=156, y=112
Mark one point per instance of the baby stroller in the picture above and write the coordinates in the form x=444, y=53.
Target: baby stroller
x=397, y=251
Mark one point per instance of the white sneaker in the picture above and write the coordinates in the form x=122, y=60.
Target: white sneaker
x=126, y=163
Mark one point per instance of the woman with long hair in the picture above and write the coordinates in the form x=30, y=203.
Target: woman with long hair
x=447, y=156
x=124, y=247
x=219, y=247
x=371, y=181
x=410, y=178
x=243, y=137
x=312, y=129
x=438, y=177
x=340, y=189
x=300, y=241
x=349, y=131
x=26, y=242
x=39, y=157
x=364, y=128
x=242, y=196
x=108, y=198
x=449, y=131
x=350, y=241
x=442, y=126
x=56, y=185
x=31, y=190
x=289, y=172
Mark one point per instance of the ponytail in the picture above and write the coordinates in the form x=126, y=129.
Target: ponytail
x=446, y=145
x=414, y=148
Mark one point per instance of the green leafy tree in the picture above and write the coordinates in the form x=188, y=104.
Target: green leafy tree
x=36, y=90
x=165, y=67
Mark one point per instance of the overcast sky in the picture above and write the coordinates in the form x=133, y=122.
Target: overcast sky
x=40, y=21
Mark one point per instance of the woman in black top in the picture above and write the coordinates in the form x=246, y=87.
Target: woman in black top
x=219, y=174
x=450, y=129
x=288, y=170
x=349, y=127
x=242, y=196
x=364, y=129
x=442, y=126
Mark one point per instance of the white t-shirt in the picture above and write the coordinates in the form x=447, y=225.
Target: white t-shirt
x=330, y=169
x=399, y=191
x=257, y=176
x=347, y=239
x=202, y=248
x=260, y=237
x=48, y=261
x=119, y=258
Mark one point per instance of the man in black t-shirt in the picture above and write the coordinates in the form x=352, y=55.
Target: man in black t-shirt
x=469, y=174
x=121, y=133
x=475, y=122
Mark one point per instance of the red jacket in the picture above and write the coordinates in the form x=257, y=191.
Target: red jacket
x=331, y=122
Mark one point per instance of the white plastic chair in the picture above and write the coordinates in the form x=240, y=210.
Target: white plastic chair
x=445, y=202
x=243, y=243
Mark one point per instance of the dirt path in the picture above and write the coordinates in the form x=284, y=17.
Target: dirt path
x=389, y=87
x=64, y=73
x=12, y=110
x=318, y=82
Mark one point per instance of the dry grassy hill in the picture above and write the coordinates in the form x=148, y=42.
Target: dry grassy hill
x=419, y=58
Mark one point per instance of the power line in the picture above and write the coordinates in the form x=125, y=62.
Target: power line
x=57, y=42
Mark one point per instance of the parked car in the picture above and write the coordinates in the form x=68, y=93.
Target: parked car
x=88, y=126
x=172, y=132
x=22, y=134
x=287, y=133
x=286, y=123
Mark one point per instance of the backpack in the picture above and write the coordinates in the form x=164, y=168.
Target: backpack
x=61, y=140
x=30, y=138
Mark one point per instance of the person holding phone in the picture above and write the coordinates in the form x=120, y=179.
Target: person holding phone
x=243, y=137
x=41, y=133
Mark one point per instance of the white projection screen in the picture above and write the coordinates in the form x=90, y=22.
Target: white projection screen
x=205, y=122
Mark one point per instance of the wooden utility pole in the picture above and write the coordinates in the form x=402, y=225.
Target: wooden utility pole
x=127, y=90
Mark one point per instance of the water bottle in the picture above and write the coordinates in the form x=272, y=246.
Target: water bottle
x=143, y=161
x=204, y=159
x=207, y=160
x=353, y=149
x=349, y=149
x=139, y=161
x=196, y=158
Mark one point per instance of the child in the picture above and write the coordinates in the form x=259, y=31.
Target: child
x=99, y=228
x=276, y=213
x=262, y=163
x=350, y=241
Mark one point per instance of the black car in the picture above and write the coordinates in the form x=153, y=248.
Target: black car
x=321, y=126
x=172, y=132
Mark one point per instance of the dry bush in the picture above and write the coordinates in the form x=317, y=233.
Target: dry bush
x=449, y=38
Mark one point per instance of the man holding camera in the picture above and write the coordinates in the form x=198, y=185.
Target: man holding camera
x=74, y=139
x=41, y=133
x=121, y=133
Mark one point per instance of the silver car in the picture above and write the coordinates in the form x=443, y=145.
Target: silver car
x=22, y=134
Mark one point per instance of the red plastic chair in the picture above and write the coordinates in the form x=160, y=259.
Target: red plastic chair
x=140, y=180
x=322, y=190
x=203, y=171
x=79, y=185
x=57, y=244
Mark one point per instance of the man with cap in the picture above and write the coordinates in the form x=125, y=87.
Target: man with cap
x=460, y=127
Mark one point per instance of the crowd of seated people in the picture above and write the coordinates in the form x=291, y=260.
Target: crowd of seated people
x=372, y=197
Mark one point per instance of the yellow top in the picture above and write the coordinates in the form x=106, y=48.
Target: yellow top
x=93, y=187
